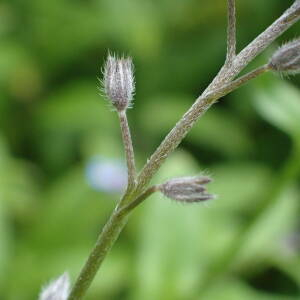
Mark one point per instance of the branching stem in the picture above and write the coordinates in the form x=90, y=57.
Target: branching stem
x=136, y=193
x=202, y=104
x=133, y=204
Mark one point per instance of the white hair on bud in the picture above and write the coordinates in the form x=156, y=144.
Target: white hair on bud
x=187, y=189
x=118, y=82
x=58, y=289
x=287, y=58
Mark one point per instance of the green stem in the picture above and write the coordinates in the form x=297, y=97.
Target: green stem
x=103, y=245
x=184, y=125
x=117, y=221
x=285, y=177
x=106, y=239
x=133, y=197
x=231, y=32
x=129, y=153
x=133, y=204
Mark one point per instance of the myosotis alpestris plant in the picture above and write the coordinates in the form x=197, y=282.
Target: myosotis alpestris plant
x=118, y=85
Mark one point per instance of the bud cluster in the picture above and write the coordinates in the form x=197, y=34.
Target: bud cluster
x=118, y=82
x=287, y=58
x=187, y=189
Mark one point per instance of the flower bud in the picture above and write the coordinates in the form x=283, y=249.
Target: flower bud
x=187, y=189
x=118, y=82
x=287, y=58
x=58, y=289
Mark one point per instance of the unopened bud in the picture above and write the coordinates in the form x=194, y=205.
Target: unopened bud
x=187, y=189
x=287, y=58
x=58, y=289
x=118, y=82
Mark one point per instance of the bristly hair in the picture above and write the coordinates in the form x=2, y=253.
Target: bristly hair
x=58, y=289
x=286, y=59
x=187, y=189
x=118, y=84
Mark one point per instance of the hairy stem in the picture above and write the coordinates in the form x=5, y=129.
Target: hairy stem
x=220, y=86
x=130, y=206
x=117, y=221
x=260, y=43
x=233, y=85
x=203, y=102
x=106, y=239
x=231, y=32
x=129, y=153
x=186, y=123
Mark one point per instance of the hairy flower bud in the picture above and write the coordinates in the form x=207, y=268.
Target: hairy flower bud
x=58, y=289
x=187, y=189
x=118, y=82
x=287, y=58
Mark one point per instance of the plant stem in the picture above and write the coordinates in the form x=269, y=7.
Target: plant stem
x=233, y=85
x=130, y=206
x=219, y=86
x=129, y=153
x=117, y=221
x=288, y=173
x=106, y=239
x=203, y=103
x=186, y=123
x=231, y=32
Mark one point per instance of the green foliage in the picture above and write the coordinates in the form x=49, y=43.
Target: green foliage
x=53, y=122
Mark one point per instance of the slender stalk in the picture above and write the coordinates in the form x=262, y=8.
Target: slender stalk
x=129, y=153
x=231, y=32
x=259, y=44
x=233, y=85
x=133, y=204
x=186, y=123
x=219, y=87
x=202, y=104
x=118, y=219
x=106, y=239
x=288, y=173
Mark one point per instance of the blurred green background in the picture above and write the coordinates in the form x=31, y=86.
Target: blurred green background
x=61, y=158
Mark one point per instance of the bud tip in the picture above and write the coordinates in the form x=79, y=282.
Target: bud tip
x=118, y=81
x=187, y=189
x=287, y=58
x=57, y=289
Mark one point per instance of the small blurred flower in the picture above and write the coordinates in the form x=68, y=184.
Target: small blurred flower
x=118, y=81
x=107, y=175
x=58, y=289
x=187, y=189
x=290, y=244
x=287, y=58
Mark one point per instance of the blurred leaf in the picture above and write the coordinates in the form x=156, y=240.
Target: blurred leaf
x=6, y=241
x=223, y=132
x=67, y=117
x=263, y=240
x=279, y=103
x=236, y=290
x=241, y=186
x=168, y=251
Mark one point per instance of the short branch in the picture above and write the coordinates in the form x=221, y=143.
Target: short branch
x=203, y=102
x=231, y=32
x=128, y=149
x=139, y=200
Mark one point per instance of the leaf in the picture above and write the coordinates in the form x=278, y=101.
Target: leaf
x=279, y=104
